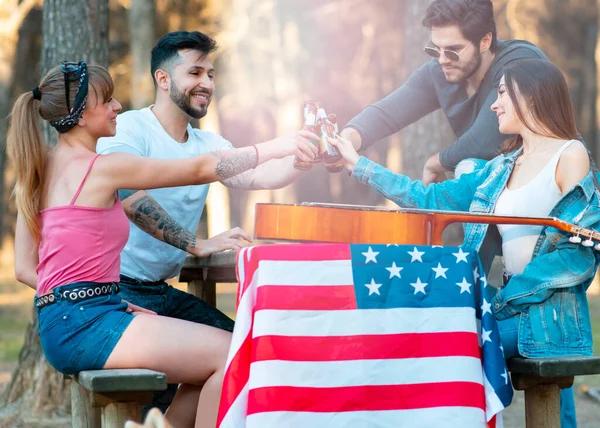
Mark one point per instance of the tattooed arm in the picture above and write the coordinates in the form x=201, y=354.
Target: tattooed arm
x=273, y=174
x=147, y=214
x=125, y=171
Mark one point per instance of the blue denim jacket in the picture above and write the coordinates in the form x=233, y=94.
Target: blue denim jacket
x=550, y=294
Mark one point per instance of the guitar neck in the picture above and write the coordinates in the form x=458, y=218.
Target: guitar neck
x=467, y=217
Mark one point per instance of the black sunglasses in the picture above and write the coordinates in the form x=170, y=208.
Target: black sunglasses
x=435, y=52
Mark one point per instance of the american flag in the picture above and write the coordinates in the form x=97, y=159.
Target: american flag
x=348, y=335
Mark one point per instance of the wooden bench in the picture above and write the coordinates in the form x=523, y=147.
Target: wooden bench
x=542, y=379
x=109, y=398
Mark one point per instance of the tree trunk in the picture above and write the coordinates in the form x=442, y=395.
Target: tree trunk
x=73, y=30
x=142, y=37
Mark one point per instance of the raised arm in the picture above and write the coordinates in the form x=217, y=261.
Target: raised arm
x=454, y=195
x=481, y=141
x=26, y=255
x=125, y=171
x=407, y=104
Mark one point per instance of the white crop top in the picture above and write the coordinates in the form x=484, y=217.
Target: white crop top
x=535, y=199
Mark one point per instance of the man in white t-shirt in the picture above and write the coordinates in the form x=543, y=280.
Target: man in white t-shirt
x=163, y=221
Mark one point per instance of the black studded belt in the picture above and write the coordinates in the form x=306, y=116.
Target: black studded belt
x=76, y=294
x=505, y=278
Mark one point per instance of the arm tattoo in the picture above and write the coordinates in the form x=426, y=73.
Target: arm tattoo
x=231, y=164
x=149, y=216
x=245, y=180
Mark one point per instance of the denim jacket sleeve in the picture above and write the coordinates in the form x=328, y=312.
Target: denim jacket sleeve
x=566, y=265
x=453, y=195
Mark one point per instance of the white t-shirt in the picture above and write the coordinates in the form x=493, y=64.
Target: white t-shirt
x=140, y=133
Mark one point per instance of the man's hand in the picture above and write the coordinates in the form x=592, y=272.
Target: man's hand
x=293, y=143
x=234, y=239
x=434, y=171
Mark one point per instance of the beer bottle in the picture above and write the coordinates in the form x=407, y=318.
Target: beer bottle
x=332, y=156
x=310, y=124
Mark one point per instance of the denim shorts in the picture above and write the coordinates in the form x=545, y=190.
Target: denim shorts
x=78, y=336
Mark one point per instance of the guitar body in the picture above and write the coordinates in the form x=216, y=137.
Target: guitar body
x=337, y=224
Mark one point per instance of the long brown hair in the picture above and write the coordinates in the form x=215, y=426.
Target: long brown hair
x=544, y=89
x=24, y=142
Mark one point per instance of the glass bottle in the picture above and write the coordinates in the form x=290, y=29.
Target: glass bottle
x=332, y=156
x=310, y=124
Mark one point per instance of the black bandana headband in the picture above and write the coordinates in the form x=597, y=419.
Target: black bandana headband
x=73, y=71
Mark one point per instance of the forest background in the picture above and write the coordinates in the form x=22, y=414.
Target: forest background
x=273, y=55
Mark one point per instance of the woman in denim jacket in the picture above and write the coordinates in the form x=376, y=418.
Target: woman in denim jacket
x=542, y=309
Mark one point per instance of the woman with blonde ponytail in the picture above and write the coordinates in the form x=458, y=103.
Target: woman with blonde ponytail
x=71, y=228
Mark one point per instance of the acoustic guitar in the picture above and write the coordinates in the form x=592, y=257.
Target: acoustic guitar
x=377, y=225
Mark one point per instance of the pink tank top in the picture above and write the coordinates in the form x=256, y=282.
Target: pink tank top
x=80, y=243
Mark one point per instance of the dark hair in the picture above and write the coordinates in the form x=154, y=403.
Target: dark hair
x=544, y=89
x=475, y=18
x=166, y=51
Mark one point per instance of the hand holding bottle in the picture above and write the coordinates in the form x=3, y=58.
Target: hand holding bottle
x=293, y=143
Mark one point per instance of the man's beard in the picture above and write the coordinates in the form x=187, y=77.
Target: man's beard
x=468, y=70
x=183, y=102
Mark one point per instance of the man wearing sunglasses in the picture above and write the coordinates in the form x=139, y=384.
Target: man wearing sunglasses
x=462, y=80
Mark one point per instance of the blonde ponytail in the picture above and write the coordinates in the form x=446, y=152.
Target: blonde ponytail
x=27, y=151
